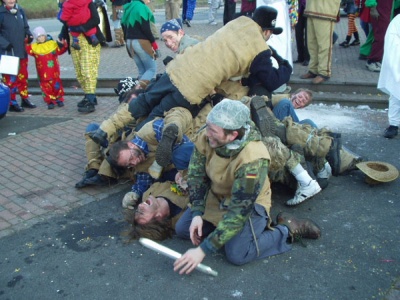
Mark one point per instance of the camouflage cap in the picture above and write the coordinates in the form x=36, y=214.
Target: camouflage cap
x=229, y=114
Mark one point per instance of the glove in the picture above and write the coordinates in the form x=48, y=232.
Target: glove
x=29, y=39
x=285, y=63
x=275, y=55
x=157, y=54
x=99, y=137
x=216, y=98
x=60, y=44
x=167, y=60
x=374, y=13
x=9, y=47
x=129, y=200
x=155, y=170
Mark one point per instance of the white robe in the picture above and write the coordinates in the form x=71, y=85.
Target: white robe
x=282, y=43
x=389, y=77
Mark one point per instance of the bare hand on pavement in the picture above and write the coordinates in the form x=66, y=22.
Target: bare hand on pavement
x=189, y=261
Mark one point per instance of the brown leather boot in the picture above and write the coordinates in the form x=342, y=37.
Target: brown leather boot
x=303, y=228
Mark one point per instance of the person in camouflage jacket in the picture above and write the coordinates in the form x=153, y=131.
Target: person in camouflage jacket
x=230, y=195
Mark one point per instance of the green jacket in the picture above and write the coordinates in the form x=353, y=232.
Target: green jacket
x=224, y=184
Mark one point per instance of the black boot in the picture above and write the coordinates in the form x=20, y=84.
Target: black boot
x=164, y=149
x=88, y=174
x=345, y=44
x=86, y=106
x=356, y=41
x=99, y=137
x=333, y=156
x=100, y=180
x=261, y=116
x=27, y=103
x=15, y=107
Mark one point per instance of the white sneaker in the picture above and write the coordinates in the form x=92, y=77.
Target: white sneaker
x=213, y=23
x=304, y=192
x=326, y=172
x=373, y=66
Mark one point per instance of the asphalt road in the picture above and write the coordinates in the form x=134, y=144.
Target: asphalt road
x=82, y=255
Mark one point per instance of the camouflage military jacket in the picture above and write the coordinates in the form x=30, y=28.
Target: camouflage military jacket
x=224, y=184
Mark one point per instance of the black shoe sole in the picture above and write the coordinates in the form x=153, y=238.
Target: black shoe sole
x=27, y=105
x=83, y=102
x=99, y=180
x=389, y=136
x=164, y=149
x=261, y=117
x=333, y=156
x=86, y=109
x=88, y=174
x=20, y=109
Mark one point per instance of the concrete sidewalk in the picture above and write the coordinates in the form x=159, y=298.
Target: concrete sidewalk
x=351, y=83
x=115, y=62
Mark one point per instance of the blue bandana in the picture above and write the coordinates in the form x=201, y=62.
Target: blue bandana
x=173, y=24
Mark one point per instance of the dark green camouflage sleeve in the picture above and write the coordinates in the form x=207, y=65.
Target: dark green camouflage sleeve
x=249, y=180
x=198, y=183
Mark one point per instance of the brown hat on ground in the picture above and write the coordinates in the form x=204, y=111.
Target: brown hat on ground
x=378, y=171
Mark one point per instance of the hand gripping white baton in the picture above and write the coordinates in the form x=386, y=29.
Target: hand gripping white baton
x=173, y=254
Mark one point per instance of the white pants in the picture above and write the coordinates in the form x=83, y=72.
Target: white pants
x=394, y=111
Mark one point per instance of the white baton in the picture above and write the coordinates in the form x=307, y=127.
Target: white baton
x=173, y=254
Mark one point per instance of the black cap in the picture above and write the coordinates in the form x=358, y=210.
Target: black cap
x=265, y=16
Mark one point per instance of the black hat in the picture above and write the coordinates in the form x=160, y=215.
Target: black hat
x=265, y=16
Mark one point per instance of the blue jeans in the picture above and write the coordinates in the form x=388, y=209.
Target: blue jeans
x=366, y=27
x=251, y=243
x=285, y=108
x=145, y=63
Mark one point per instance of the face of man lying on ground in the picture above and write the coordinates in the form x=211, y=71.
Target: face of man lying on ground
x=151, y=209
x=300, y=99
x=172, y=39
x=130, y=157
x=158, y=208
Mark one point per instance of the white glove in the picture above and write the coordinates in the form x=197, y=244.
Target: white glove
x=155, y=170
x=130, y=200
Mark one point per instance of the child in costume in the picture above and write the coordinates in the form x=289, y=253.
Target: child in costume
x=76, y=13
x=46, y=52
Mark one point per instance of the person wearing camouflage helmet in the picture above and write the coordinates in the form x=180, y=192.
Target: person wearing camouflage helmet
x=230, y=194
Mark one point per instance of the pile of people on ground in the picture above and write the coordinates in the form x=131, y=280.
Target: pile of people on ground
x=203, y=148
